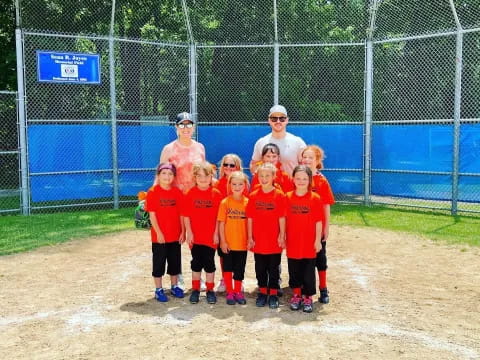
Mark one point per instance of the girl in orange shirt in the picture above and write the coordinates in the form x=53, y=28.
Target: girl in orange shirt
x=304, y=231
x=200, y=214
x=163, y=205
x=232, y=225
x=271, y=154
x=313, y=156
x=266, y=234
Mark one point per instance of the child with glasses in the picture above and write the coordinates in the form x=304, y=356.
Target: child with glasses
x=271, y=154
x=304, y=216
x=266, y=234
x=200, y=212
x=163, y=205
x=232, y=225
x=313, y=157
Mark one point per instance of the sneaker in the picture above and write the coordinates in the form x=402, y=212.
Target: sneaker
x=307, y=305
x=177, y=292
x=295, y=302
x=231, y=299
x=203, y=286
x=160, y=295
x=221, y=286
x=240, y=298
x=324, y=298
x=273, y=302
x=211, y=297
x=261, y=300
x=194, y=297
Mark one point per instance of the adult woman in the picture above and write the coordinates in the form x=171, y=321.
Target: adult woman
x=184, y=152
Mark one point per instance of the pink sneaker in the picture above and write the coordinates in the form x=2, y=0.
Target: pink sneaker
x=295, y=302
x=307, y=304
x=230, y=298
x=240, y=298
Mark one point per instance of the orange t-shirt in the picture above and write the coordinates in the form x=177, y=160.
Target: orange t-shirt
x=303, y=212
x=321, y=186
x=166, y=206
x=201, y=206
x=232, y=213
x=281, y=178
x=265, y=209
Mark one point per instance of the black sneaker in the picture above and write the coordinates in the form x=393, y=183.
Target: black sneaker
x=324, y=298
x=261, y=300
x=211, y=297
x=273, y=302
x=195, y=297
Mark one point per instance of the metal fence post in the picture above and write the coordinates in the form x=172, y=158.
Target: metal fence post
x=192, y=71
x=113, y=110
x=367, y=156
x=22, y=122
x=276, y=57
x=457, y=110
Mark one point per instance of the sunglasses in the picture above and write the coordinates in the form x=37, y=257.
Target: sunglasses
x=231, y=166
x=278, y=118
x=183, y=126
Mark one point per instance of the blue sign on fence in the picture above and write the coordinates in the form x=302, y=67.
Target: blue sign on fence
x=78, y=68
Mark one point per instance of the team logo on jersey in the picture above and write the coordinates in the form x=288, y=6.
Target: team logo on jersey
x=235, y=214
x=168, y=202
x=264, y=205
x=300, y=209
x=203, y=204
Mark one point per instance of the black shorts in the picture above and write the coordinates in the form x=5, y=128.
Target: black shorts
x=163, y=253
x=321, y=260
x=235, y=261
x=302, y=275
x=203, y=257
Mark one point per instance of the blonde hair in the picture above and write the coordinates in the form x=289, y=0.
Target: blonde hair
x=204, y=167
x=267, y=167
x=319, y=154
x=236, y=159
x=239, y=175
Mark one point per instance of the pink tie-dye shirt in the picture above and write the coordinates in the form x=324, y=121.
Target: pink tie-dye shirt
x=183, y=157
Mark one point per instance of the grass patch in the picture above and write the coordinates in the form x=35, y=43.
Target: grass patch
x=21, y=233
x=429, y=224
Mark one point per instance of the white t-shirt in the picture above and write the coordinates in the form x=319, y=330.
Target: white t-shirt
x=290, y=148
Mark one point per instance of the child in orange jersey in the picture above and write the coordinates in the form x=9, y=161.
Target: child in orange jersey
x=271, y=154
x=228, y=164
x=200, y=214
x=163, y=205
x=266, y=234
x=232, y=225
x=304, y=232
x=313, y=156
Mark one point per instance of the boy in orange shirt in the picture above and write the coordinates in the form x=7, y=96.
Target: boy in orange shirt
x=200, y=215
x=266, y=234
x=304, y=232
x=232, y=224
x=163, y=205
x=313, y=156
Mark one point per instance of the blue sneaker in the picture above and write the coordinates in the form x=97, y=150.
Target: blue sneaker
x=160, y=295
x=177, y=292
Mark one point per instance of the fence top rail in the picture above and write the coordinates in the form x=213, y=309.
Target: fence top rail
x=7, y=92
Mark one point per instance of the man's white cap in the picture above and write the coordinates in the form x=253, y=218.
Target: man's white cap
x=278, y=109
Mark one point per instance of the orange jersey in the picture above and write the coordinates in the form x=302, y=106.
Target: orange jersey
x=166, y=206
x=321, y=186
x=201, y=206
x=265, y=209
x=303, y=212
x=281, y=179
x=232, y=213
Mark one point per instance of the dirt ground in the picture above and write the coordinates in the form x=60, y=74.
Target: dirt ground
x=392, y=296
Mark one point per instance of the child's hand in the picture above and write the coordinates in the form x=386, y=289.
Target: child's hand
x=318, y=245
x=224, y=247
x=216, y=238
x=251, y=243
x=160, y=238
x=182, y=237
x=189, y=238
x=281, y=241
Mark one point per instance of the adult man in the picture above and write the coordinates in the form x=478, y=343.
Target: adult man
x=290, y=145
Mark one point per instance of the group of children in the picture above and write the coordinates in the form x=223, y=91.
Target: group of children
x=277, y=212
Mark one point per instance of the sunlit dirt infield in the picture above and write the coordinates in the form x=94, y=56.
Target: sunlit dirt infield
x=392, y=296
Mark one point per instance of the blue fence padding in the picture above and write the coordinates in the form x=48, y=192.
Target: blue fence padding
x=412, y=147
x=469, y=188
x=345, y=182
x=140, y=146
x=54, y=148
x=133, y=182
x=342, y=143
x=470, y=148
x=71, y=187
x=424, y=186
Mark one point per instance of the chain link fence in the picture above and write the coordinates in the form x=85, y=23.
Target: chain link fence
x=389, y=88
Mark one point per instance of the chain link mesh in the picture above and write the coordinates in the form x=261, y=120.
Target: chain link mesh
x=322, y=74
